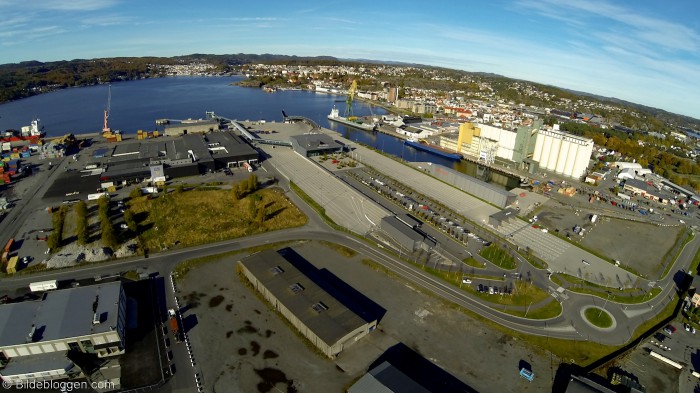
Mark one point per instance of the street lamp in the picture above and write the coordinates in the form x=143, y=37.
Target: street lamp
x=605, y=304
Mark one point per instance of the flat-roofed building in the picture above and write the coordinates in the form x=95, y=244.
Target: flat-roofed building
x=186, y=155
x=309, y=145
x=321, y=310
x=192, y=127
x=404, y=235
x=37, y=336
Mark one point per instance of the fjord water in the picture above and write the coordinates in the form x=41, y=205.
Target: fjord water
x=136, y=105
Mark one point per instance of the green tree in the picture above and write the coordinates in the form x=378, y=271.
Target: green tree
x=260, y=215
x=135, y=193
x=109, y=236
x=252, y=183
x=81, y=216
x=236, y=192
x=130, y=220
x=253, y=205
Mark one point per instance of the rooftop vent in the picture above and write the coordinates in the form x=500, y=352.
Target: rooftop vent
x=276, y=270
x=319, y=307
x=30, y=336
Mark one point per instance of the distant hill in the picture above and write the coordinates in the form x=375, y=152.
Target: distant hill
x=19, y=80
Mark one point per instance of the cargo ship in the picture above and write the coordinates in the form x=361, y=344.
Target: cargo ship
x=335, y=116
x=31, y=133
x=434, y=149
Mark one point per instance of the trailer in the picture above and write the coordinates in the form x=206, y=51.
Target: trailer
x=42, y=286
x=174, y=326
x=96, y=196
x=8, y=245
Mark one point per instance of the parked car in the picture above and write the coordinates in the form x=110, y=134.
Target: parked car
x=670, y=329
x=466, y=280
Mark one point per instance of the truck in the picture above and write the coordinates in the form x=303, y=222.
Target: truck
x=41, y=286
x=248, y=167
x=174, y=325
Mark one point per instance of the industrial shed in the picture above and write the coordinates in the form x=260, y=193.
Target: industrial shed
x=187, y=155
x=404, y=235
x=323, y=309
x=309, y=145
x=498, y=218
x=228, y=150
x=482, y=190
x=192, y=127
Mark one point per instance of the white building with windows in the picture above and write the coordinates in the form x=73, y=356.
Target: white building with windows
x=36, y=337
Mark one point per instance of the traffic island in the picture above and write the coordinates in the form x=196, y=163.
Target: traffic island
x=598, y=318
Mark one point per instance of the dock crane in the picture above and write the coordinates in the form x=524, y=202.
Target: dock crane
x=106, y=129
x=107, y=132
x=348, y=101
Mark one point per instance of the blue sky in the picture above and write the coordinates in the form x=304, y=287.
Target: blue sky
x=644, y=51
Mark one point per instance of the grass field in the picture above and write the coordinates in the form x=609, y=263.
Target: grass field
x=198, y=217
x=498, y=257
x=598, y=317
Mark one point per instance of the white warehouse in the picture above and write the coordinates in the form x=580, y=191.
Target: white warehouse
x=563, y=153
x=505, y=138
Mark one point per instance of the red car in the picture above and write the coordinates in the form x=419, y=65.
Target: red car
x=670, y=329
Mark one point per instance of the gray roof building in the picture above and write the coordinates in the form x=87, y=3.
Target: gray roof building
x=386, y=378
x=407, y=237
x=496, y=219
x=186, y=155
x=35, y=336
x=312, y=304
x=309, y=145
x=480, y=189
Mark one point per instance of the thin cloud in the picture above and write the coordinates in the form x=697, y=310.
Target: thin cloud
x=661, y=33
x=58, y=5
x=109, y=20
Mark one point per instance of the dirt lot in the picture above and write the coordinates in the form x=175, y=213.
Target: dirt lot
x=251, y=349
x=615, y=238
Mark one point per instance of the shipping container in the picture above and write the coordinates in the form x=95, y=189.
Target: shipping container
x=8, y=245
x=92, y=197
x=41, y=286
x=12, y=265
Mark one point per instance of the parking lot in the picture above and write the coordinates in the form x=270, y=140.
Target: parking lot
x=613, y=237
